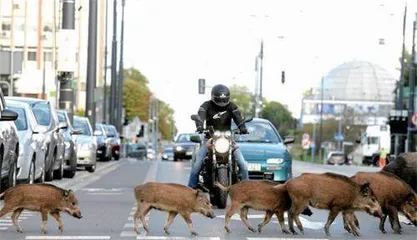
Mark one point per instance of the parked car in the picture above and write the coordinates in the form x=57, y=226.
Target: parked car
x=86, y=144
x=137, y=150
x=183, y=147
x=113, y=139
x=104, y=151
x=265, y=151
x=168, y=153
x=9, y=142
x=47, y=120
x=70, y=155
x=32, y=150
x=150, y=154
x=337, y=158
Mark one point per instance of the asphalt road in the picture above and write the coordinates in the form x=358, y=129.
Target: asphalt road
x=107, y=203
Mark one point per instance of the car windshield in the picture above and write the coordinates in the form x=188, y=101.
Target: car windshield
x=169, y=149
x=42, y=113
x=259, y=132
x=184, y=138
x=110, y=131
x=21, y=121
x=62, y=117
x=82, y=125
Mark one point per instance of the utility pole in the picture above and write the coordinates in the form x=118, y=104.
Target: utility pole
x=400, y=105
x=12, y=49
x=411, y=98
x=321, y=119
x=113, y=86
x=119, y=102
x=105, y=70
x=90, y=110
x=261, y=57
x=67, y=51
x=155, y=125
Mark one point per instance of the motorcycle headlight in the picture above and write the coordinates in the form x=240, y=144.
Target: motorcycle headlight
x=178, y=148
x=221, y=145
x=275, y=160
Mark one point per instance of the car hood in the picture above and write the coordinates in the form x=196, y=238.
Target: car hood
x=261, y=151
x=185, y=144
x=82, y=139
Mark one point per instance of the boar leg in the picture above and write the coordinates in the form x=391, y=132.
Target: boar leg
x=281, y=220
x=5, y=210
x=187, y=219
x=382, y=223
x=349, y=218
x=393, y=217
x=332, y=215
x=57, y=217
x=244, y=217
x=295, y=212
x=15, y=217
x=44, y=213
x=267, y=218
x=232, y=209
x=141, y=212
x=170, y=218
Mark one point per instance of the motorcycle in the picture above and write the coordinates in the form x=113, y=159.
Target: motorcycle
x=219, y=165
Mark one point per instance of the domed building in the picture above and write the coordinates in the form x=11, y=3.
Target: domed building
x=359, y=91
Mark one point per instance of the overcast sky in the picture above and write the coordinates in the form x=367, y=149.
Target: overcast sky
x=174, y=43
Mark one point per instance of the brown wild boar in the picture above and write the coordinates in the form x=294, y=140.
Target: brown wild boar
x=43, y=198
x=172, y=198
x=393, y=194
x=405, y=167
x=330, y=191
x=260, y=195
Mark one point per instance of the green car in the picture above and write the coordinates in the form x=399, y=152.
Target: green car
x=266, y=151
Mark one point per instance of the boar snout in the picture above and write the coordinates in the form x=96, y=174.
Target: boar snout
x=77, y=215
x=377, y=214
x=210, y=215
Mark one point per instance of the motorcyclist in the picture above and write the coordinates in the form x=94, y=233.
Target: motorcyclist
x=218, y=112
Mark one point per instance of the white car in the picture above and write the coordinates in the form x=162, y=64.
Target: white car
x=86, y=144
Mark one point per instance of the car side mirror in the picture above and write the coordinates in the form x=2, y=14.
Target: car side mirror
x=195, y=139
x=98, y=133
x=62, y=125
x=37, y=130
x=8, y=115
x=76, y=132
x=289, y=139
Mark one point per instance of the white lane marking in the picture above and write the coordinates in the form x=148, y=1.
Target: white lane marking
x=3, y=228
x=105, y=193
x=105, y=189
x=306, y=223
x=67, y=237
x=6, y=224
x=128, y=234
x=129, y=225
x=266, y=238
x=176, y=238
x=5, y=221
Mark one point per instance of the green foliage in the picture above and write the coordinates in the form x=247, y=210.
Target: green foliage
x=166, y=121
x=79, y=112
x=243, y=99
x=280, y=117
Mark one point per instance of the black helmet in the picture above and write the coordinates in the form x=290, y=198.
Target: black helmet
x=220, y=95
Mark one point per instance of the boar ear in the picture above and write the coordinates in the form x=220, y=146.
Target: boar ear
x=365, y=189
x=65, y=194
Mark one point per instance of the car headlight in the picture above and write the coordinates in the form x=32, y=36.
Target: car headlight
x=165, y=155
x=84, y=146
x=178, y=148
x=275, y=160
x=221, y=145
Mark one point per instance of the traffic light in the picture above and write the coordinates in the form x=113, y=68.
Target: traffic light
x=398, y=121
x=201, y=86
x=283, y=77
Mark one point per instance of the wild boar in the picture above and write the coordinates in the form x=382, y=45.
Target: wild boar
x=405, y=167
x=43, y=198
x=260, y=195
x=393, y=194
x=172, y=198
x=330, y=191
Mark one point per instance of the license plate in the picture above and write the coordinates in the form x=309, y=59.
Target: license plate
x=189, y=153
x=254, y=167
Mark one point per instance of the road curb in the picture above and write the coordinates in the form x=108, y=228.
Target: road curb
x=151, y=175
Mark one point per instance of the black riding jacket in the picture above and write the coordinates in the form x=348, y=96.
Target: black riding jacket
x=219, y=117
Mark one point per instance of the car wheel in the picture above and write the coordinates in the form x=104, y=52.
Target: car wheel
x=12, y=175
x=73, y=169
x=91, y=168
x=59, y=174
x=49, y=176
x=32, y=172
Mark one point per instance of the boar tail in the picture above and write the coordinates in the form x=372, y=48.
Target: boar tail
x=223, y=188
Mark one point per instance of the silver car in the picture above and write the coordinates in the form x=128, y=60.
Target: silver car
x=32, y=151
x=86, y=144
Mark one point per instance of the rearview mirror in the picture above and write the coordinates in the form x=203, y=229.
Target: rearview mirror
x=62, y=125
x=8, y=115
x=98, y=133
x=195, y=139
x=289, y=139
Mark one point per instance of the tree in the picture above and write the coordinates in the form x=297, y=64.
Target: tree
x=166, y=121
x=243, y=99
x=279, y=116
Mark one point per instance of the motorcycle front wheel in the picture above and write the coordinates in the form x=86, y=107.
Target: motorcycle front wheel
x=223, y=178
